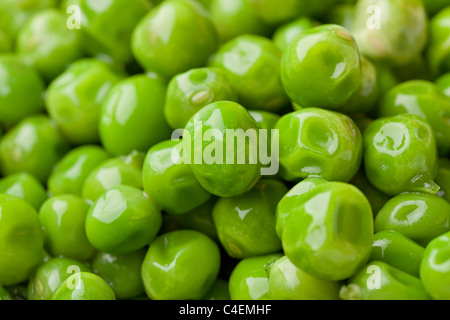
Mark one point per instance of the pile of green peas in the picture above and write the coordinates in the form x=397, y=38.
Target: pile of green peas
x=93, y=205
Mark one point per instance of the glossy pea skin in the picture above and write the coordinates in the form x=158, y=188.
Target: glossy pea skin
x=70, y=173
x=122, y=170
x=287, y=32
x=74, y=99
x=287, y=282
x=170, y=270
x=47, y=43
x=21, y=240
x=443, y=179
x=121, y=272
x=122, y=220
x=172, y=185
x=49, y=276
x=63, y=221
x=188, y=92
x=218, y=291
x=26, y=187
x=34, y=145
x=398, y=251
x=21, y=91
x=435, y=268
x=222, y=179
x=438, y=52
x=401, y=155
x=132, y=117
x=174, y=37
x=321, y=68
x=249, y=279
x=381, y=39
x=418, y=216
x=84, y=286
x=318, y=142
x=380, y=281
x=329, y=232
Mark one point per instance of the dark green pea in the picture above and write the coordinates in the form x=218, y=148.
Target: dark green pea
x=443, y=179
x=121, y=272
x=362, y=121
x=21, y=90
x=287, y=32
x=122, y=220
x=246, y=223
x=132, y=117
x=342, y=14
x=171, y=184
x=84, y=286
x=379, y=281
x=34, y=145
x=188, y=92
x=416, y=69
x=74, y=99
x=266, y=120
x=252, y=64
x=49, y=276
x=171, y=267
x=26, y=187
x=418, y=216
x=401, y=155
x=386, y=79
x=434, y=6
x=174, y=37
x=218, y=291
x=438, y=52
x=70, y=173
x=287, y=282
x=435, y=268
x=5, y=295
x=398, y=251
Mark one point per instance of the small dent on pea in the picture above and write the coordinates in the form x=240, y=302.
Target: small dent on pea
x=203, y=97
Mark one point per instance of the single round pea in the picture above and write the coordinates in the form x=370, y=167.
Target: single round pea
x=443, y=179
x=84, y=286
x=180, y=265
x=418, y=216
x=26, y=187
x=287, y=32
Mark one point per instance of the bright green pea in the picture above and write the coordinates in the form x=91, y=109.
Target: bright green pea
x=49, y=276
x=443, y=83
x=401, y=155
x=398, y=251
x=252, y=64
x=180, y=265
x=70, y=173
x=218, y=291
x=63, y=221
x=174, y=37
x=435, y=268
x=26, y=187
x=122, y=220
x=34, y=145
x=21, y=90
x=121, y=272
x=379, y=35
x=21, y=240
x=438, y=52
x=287, y=282
x=125, y=170
x=443, y=179
x=418, y=216
x=379, y=281
x=188, y=92
x=246, y=223
x=5, y=42
x=287, y=32
x=274, y=14
x=84, y=286
x=74, y=99
x=321, y=68
x=249, y=279
x=318, y=142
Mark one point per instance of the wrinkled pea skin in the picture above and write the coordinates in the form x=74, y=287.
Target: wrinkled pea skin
x=84, y=286
x=287, y=32
x=443, y=179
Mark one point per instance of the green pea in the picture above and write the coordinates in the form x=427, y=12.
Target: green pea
x=318, y=142
x=287, y=32
x=443, y=83
x=74, y=99
x=71, y=172
x=5, y=42
x=122, y=220
x=274, y=14
x=321, y=68
x=443, y=179
x=21, y=240
x=386, y=79
x=4, y=294
x=49, y=276
x=84, y=286
x=266, y=120
x=121, y=272
x=417, y=69
x=401, y=155
x=26, y=187
x=379, y=281
x=418, y=216
x=342, y=14
x=189, y=92
x=34, y=145
x=435, y=268
x=170, y=270
x=287, y=282
x=218, y=291
x=438, y=52
x=434, y=6
x=21, y=90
